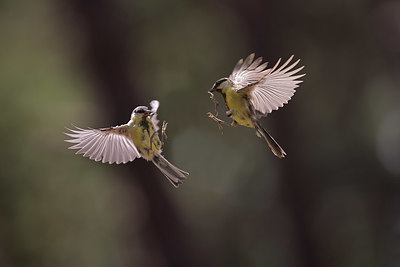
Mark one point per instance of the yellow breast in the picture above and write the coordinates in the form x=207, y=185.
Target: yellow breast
x=146, y=139
x=239, y=107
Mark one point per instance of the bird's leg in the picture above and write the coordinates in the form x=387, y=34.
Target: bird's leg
x=220, y=122
x=215, y=102
x=234, y=124
x=164, y=136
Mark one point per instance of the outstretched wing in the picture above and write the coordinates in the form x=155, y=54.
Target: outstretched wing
x=154, y=104
x=270, y=88
x=111, y=145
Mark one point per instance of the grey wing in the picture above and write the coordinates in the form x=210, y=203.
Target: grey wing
x=275, y=87
x=111, y=145
x=154, y=104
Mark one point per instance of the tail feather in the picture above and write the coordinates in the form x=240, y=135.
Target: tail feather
x=273, y=145
x=175, y=175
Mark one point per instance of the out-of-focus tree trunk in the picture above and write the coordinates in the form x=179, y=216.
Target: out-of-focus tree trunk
x=108, y=58
x=263, y=21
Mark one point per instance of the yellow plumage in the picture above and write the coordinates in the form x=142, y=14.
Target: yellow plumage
x=145, y=138
x=239, y=107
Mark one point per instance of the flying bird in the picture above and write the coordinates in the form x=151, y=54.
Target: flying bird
x=253, y=91
x=121, y=144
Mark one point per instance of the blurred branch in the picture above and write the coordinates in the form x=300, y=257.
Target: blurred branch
x=107, y=38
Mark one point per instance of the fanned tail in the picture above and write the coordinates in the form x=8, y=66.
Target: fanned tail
x=273, y=145
x=175, y=175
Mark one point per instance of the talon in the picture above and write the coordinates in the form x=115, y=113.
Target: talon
x=163, y=131
x=216, y=119
x=219, y=121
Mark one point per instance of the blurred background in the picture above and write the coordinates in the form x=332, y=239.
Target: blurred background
x=334, y=201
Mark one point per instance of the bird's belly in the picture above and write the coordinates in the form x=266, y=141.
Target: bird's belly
x=147, y=142
x=240, y=109
x=243, y=119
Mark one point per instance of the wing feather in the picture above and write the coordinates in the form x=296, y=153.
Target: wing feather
x=255, y=63
x=117, y=152
x=238, y=65
x=154, y=104
x=248, y=71
x=99, y=151
x=269, y=89
x=247, y=62
x=111, y=145
x=108, y=154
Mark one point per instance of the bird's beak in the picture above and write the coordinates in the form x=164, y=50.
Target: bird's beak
x=211, y=90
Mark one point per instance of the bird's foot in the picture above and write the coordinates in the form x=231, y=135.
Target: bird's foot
x=164, y=136
x=219, y=121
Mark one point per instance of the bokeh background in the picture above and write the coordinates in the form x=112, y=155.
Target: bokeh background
x=334, y=201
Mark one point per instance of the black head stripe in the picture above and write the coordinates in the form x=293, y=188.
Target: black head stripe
x=140, y=109
x=218, y=83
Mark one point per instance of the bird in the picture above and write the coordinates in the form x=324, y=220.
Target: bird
x=253, y=91
x=121, y=144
